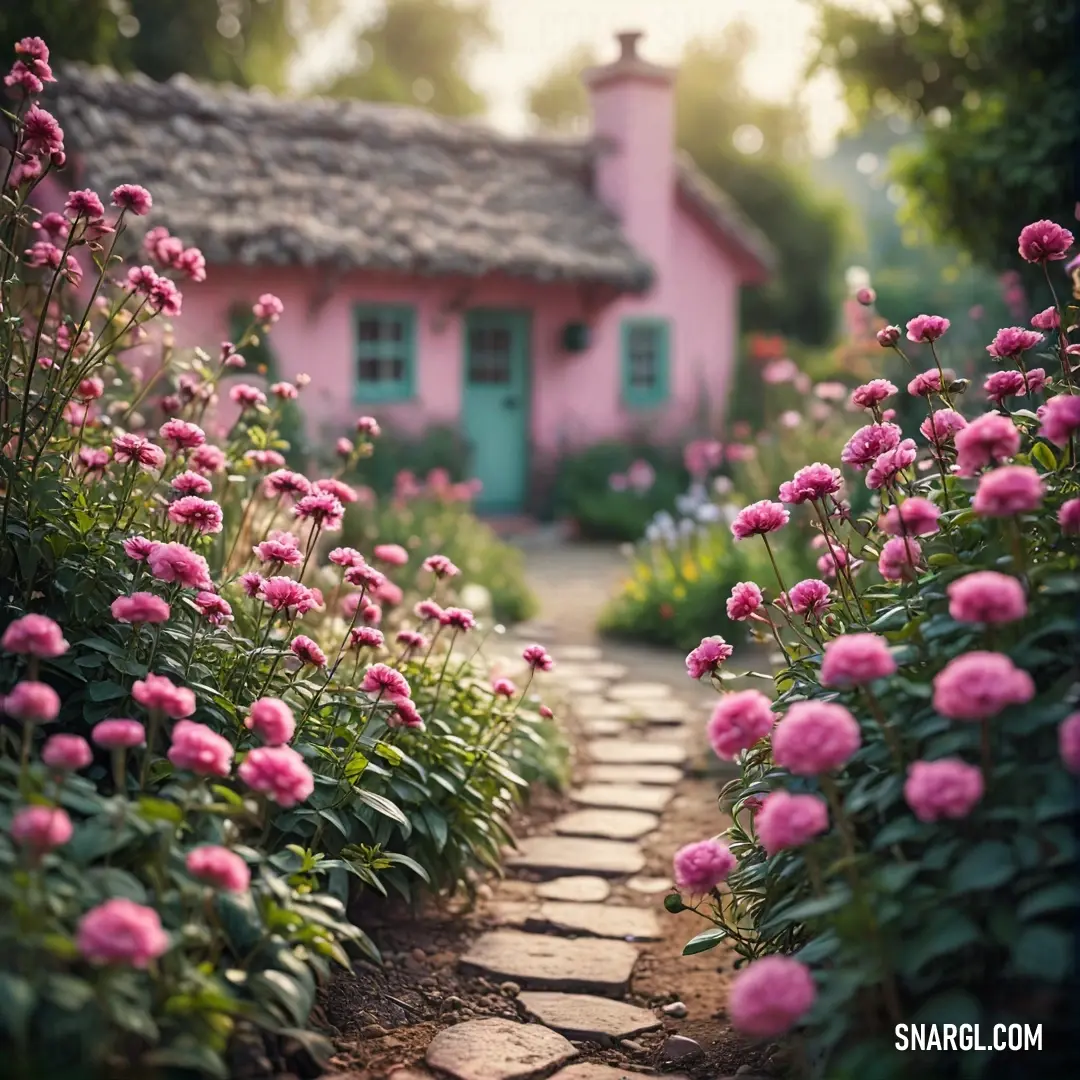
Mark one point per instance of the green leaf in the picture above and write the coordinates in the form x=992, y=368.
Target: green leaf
x=381, y=805
x=437, y=825
x=355, y=766
x=1055, y=897
x=286, y=991
x=945, y=932
x=101, y=645
x=160, y=810
x=707, y=939
x=890, y=620
x=105, y=691
x=818, y=905
x=943, y=558
x=191, y=1055
x=1044, y=456
x=412, y=864
x=1042, y=952
x=17, y=1001
x=951, y=1007
x=985, y=866
x=389, y=753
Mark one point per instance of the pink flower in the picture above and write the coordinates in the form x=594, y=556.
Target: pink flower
x=428, y=611
x=369, y=426
x=866, y=296
x=66, y=753
x=888, y=337
x=366, y=577
x=220, y=867
x=323, y=509
x=929, y=382
x=899, y=557
x=872, y=393
x=942, y=426
x=789, y=821
x=251, y=583
x=216, y=610
x=132, y=197
x=926, y=328
x=811, y=482
x=745, y=599
x=1035, y=380
x=759, y=518
x=987, y=597
x=140, y=607
x=85, y=203
x=204, y=515
x=1002, y=384
x=947, y=788
x=268, y=309
x=42, y=136
x=1012, y=489
x=503, y=688
x=199, y=750
x=165, y=297
x=815, y=737
x=192, y=263
x=440, y=566
x=208, y=459
x=809, y=597
x=1069, y=742
x=1011, y=341
x=118, y=734
x=347, y=556
x=158, y=692
x=384, y=680
x=283, y=594
x=284, y=391
x=120, y=931
x=265, y=459
x=32, y=702
x=536, y=656
x=701, y=866
x=887, y=466
x=978, y=685
x=178, y=563
x=707, y=657
x=135, y=448
x=182, y=434
x=367, y=637
x=915, y=516
x=90, y=389
x=405, y=714
x=779, y=371
x=1060, y=418
x=341, y=491
x=855, y=660
x=869, y=443
x=700, y=458
x=34, y=635
x=391, y=554
x=344, y=448
x=741, y=719
x=278, y=772
x=307, y=651
x=1043, y=240
x=247, y=397
x=282, y=548
x=93, y=461
x=1047, y=319
x=370, y=613
x=40, y=828
x=389, y=594
x=770, y=996
x=272, y=720
x=545, y=712
x=191, y=483
x=1069, y=516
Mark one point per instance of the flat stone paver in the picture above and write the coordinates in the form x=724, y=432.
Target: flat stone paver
x=616, y=710
x=650, y=886
x=578, y=653
x=591, y=1070
x=497, y=1049
x=545, y=962
x=603, y=727
x=624, y=796
x=580, y=890
x=584, y=685
x=663, y=713
x=637, y=752
x=607, y=824
x=586, y=1018
x=640, y=691
x=617, y=921
x=559, y=855
x=634, y=774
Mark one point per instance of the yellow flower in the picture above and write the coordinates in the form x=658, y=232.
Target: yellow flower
x=679, y=592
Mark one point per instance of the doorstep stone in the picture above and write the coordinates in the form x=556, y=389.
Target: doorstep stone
x=580, y=890
x=634, y=774
x=652, y=798
x=497, y=1049
x=640, y=692
x=591, y=1070
x=607, y=824
x=559, y=855
x=543, y=962
x=594, y=920
x=583, y=1017
x=635, y=752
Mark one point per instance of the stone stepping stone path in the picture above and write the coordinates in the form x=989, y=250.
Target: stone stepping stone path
x=559, y=855
x=626, y=752
x=591, y=920
x=603, y=727
x=581, y=890
x=585, y=670
x=588, y=1019
x=496, y=1049
x=580, y=653
x=607, y=824
x=585, y=685
x=589, y=1070
x=640, y=692
x=662, y=775
x=624, y=796
x=650, y=886
x=545, y=962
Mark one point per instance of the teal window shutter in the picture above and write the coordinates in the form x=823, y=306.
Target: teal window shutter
x=646, y=362
x=385, y=368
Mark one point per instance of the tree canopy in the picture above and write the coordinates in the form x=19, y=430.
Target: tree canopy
x=995, y=90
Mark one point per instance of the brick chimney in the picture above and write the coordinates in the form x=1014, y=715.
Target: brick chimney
x=633, y=112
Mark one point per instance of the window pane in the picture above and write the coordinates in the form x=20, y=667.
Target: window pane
x=489, y=356
x=368, y=329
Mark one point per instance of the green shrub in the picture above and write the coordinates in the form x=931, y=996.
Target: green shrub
x=439, y=448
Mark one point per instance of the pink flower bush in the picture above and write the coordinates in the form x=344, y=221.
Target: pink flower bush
x=1060, y=418
x=869, y=443
x=809, y=597
x=788, y=821
x=118, y=734
x=41, y=828
x=219, y=867
x=1069, y=742
x=744, y=601
x=987, y=597
x=1012, y=489
x=178, y=563
x=120, y=931
x=701, y=866
x=759, y=518
x=197, y=749
x=978, y=685
x=158, y=692
x=926, y=328
x=279, y=773
x=707, y=657
x=536, y=656
x=32, y=702
x=948, y=788
x=272, y=720
x=66, y=753
x=815, y=737
x=991, y=438
x=899, y=558
x=741, y=719
x=770, y=996
x=1043, y=241
x=34, y=635
x=915, y=516
x=855, y=660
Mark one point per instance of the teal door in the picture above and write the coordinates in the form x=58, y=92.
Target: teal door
x=495, y=406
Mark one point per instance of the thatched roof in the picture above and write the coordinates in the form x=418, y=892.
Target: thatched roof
x=255, y=179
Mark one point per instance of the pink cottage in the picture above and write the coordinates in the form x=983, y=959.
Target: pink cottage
x=540, y=294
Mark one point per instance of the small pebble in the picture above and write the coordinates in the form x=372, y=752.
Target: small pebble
x=676, y=1009
x=453, y=1002
x=633, y=1046
x=373, y=1031
x=510, y=989
x=484, y=892
x=677, y=1047
x=418, y=955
